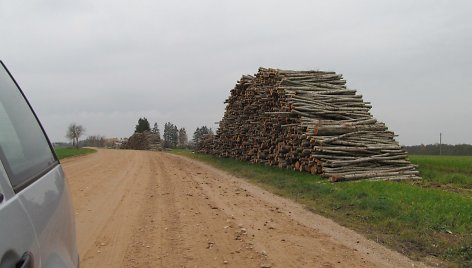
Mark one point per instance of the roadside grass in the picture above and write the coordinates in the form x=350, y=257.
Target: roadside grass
x=69, y=152
x=420, y=222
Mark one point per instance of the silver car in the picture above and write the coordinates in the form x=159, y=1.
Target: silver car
x=36, y=216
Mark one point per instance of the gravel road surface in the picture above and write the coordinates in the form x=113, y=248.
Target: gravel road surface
x=151, y=209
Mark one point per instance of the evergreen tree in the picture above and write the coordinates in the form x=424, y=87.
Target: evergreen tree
x=155, y=130
x=143, y=125
x=167, y=136
x=200, y=132
x=183, y=139
x=171, y=135
x=175, y=136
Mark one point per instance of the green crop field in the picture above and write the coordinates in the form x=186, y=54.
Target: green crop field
x=69, y=152
x=426, y=220
x=445, y=171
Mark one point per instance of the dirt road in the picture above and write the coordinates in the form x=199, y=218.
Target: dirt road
x=149, y=209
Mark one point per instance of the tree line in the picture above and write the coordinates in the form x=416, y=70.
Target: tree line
x=173, y=137
x=443, y=149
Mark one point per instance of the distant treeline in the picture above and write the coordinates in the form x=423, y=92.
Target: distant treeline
x=94, y=141
x=446, y=149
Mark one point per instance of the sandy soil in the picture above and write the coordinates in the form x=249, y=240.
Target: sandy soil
x=149, y=209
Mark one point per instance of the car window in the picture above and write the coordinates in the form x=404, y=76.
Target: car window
x=24, y=149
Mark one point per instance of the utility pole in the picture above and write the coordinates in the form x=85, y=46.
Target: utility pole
x=440, y=143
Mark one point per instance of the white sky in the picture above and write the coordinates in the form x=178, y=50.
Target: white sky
x=105, y=63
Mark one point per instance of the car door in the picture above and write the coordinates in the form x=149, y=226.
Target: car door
x=18, y=243
x=37, y=224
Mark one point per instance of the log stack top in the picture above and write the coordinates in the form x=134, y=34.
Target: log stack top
x=307, y=121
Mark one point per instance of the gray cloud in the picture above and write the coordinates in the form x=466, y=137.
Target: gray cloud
x=106, y=63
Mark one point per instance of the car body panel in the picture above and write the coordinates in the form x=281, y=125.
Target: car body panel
x=47, y=202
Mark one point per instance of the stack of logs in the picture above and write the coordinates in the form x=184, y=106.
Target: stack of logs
x=307, y=121
x=143, y=141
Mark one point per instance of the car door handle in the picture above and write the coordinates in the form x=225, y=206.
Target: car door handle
x=1, y=198
x=26, y=261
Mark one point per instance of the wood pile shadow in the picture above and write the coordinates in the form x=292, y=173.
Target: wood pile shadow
x=307, y=121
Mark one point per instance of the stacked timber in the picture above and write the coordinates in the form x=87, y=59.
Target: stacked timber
x=307, y=121
x=143, y=141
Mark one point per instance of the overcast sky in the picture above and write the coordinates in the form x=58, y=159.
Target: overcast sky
x=105, y=63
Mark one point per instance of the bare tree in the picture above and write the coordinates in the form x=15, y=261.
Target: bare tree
x=74, y=132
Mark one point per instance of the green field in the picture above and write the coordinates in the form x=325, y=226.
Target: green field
x=430, y=219
x=69, y=152
x=449, y=172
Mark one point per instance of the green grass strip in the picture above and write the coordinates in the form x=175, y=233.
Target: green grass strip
x=69, y=152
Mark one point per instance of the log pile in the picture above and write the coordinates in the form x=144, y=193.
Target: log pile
x=307, y=121
x=143, y=141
